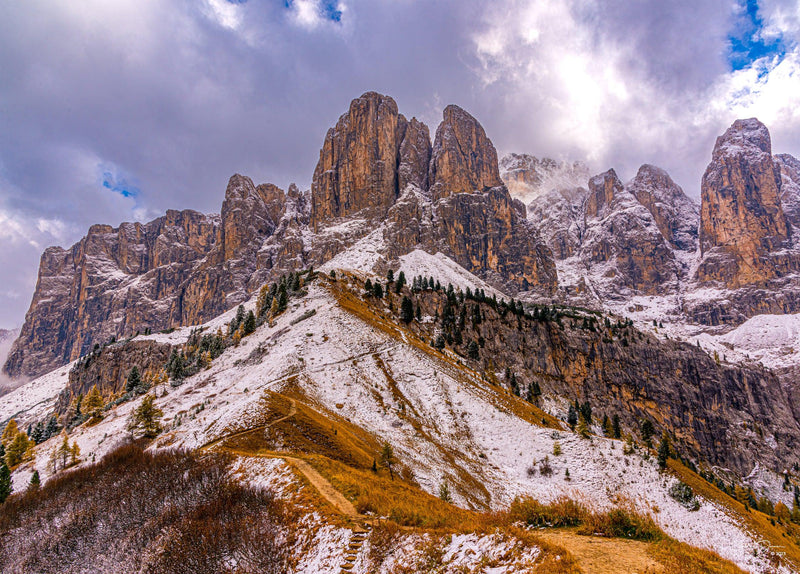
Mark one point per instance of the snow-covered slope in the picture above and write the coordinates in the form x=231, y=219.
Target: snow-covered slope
x=444, y=422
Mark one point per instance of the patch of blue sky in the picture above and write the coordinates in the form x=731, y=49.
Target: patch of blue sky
x=118, y=184
x=329, y=9
x=747, y=43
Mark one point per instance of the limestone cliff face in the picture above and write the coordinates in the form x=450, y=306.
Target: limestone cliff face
x=741, y=217
x=357, y=166
x=619, y=370
x=790, y=188
x=180, y=269
x=464, y=159
x=602, y=190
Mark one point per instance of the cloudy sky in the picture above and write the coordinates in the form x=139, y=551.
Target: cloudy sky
x=116, y=110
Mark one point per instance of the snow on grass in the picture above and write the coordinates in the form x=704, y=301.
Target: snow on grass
x=33, y=400
x=440, y=419
x=444, y=270
x=489, y=553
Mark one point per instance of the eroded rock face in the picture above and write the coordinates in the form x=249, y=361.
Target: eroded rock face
x=741, y=218
x=676, y=216
x=415, y=156
x=606, y=239
x=790, y=187
x=109, y=367
x=602, y=189
x=357, y=166
x=180, y=269
x=464, y=159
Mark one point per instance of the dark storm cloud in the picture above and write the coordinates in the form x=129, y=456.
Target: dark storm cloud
x=114, y=111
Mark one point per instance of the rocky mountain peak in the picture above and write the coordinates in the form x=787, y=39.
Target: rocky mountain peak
x=602, y=189
x=741, y=215
x=464, y=159
x=743, y=135
x=357, y=168
x=674, y=212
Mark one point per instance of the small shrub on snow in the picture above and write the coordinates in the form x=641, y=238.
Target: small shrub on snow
x=684, y=495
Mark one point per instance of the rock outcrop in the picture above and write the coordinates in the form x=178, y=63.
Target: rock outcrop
x=357, y=168
x=741, y=219
x=790, y=188
x=609, y=242
x=108, y=368
x=464, y=159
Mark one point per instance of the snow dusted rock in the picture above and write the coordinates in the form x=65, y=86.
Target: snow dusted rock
x=528, y=177
x=742, y=221
x=790, y=187
x=185, y=268
x=606, y=238
x=675, y=214
x=113, y=281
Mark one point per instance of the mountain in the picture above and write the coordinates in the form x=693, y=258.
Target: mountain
x=186, y=267
x=407, y=368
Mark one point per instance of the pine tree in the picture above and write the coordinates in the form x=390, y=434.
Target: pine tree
x=663, y=451
x=647, y=431
x=61, y=454
x=135, y=380
x=534, y=391
x=572, y=417
x=473, y=352
x=368, y=286
x=146, y=419
x=418, y=314
x=608, y=429
x=586, y=412
x=283, y=298
x=51, y=429
x=262, y=304
x=617, y=429
x=377, y=290
x=444, y=492
x=35, y=482
x=401, y=281
x=406, y=307
x=273, y=310
x=5, y=481
x=249, y=324
x=74, y=454
x=387, y=459
x=390, y=276
x=296, y=283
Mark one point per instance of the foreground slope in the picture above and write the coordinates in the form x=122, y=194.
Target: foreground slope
x=340, y=357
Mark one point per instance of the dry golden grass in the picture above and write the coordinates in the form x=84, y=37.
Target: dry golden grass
x=783, y=539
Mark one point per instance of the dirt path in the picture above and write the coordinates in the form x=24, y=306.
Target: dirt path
x=319, y=482
x=324, y=487
x=604, y=555
x=216, y=441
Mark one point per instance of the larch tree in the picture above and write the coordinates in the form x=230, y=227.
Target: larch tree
x=387, y=459
x=145, y=420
